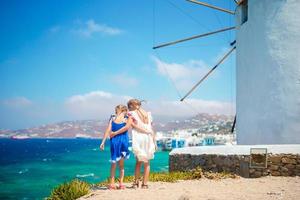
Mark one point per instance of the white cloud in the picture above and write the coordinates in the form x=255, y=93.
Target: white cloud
x=100, y=105
x=190, y=107
x=184, y=75
x=17, y=102
x=21, y=112
x=94, y=105
x=90, y=27
x=124, y=80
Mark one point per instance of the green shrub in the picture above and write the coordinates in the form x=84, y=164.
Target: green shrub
x=128, y=179
x=197, y=173
x=77, y=188
x=103, y=183
x=69, y=191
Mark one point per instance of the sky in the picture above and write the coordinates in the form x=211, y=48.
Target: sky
x=78, y=59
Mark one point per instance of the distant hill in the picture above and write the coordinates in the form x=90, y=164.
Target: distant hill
x=95, y=128
x=204, y=123
x=66, y=129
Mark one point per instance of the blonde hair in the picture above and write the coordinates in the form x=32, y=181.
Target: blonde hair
x=134, y=104
x=121, y=108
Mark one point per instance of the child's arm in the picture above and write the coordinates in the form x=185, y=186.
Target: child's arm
x=136, y=126
x=106, y=134
x=129, y=124
x=123, y=129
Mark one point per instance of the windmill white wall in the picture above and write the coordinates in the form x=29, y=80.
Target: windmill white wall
x=268, y=73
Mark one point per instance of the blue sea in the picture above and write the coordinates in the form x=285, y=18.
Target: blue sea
x=31, y=168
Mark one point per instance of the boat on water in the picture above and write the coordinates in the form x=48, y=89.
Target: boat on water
x=19, y=137
x=82, y=136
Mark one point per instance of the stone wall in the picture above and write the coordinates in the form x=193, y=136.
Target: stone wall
x=277, y=164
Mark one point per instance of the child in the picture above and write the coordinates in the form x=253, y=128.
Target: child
x=118, y=131
x=143, y=143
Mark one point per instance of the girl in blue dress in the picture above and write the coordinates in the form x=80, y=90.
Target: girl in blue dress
x=117, y=130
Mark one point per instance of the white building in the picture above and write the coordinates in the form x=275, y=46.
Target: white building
x=268, y=72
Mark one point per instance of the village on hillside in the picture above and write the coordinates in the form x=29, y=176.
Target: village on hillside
x=203, y=129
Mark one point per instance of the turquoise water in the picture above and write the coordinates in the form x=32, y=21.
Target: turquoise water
x=31, y=168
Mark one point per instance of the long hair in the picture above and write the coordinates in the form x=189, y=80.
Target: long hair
x=134, y=104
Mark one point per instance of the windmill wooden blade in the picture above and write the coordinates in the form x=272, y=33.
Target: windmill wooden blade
x=233, y=125
x=194, y=37
x=233, y=43
x=210, y=71
x=211, y=6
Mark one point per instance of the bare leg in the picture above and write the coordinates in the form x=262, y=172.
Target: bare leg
x=137, y=171
x=121, y=167
x=146, y=172
x=112, y=173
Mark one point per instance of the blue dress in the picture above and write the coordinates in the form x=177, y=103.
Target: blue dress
x=119, y=144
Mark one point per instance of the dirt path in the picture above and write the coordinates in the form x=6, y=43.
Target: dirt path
x=261, y=188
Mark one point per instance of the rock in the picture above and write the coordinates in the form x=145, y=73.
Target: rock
x=214, y=170
x=292, y=156
x=265, y=173
x=214, y=166
x=286, y=160
x=188, y=156
x=218, y=161
x=209, y=161
x=274, y=167
x=275, y=173
x=275, y=159
x=199, y=161
x=297, y=172
x=251, y=171
x=228, y=162
x=284, y=169
x=256, y=174
x=290, y=166
x=284, y=174
x=186, y=163
x=298, y=167
x=236, y=162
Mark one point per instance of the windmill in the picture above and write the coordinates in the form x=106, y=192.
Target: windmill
x=268, y=69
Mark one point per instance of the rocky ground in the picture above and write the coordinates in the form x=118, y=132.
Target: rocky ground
x=264, y=188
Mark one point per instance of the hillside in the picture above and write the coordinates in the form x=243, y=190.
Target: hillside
x=95, y=128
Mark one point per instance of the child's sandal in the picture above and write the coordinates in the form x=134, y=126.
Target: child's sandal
x=145, y=186
x=111, y=187
x=135, y=185
x=121, y=187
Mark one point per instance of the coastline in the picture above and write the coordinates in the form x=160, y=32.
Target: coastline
x=241, y=188
x=32, y=168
